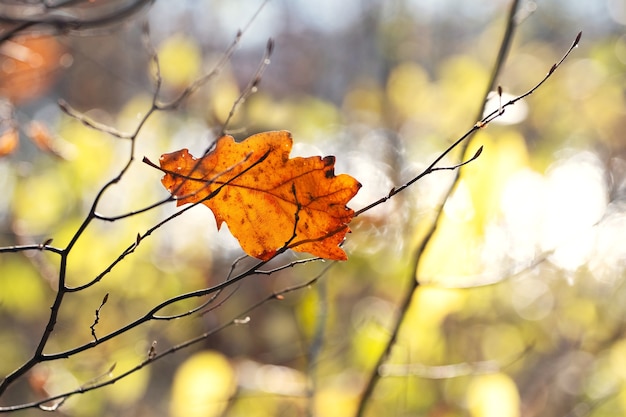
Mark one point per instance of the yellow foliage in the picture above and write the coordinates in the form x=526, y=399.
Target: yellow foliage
x=502, y=342
x=223, y=94
x=462, y=82
x=40, y=202
x=455, y=251
x=618, y=359
x=86, y=170
x=431, y=305
x=21, y=288
x=130, y=389
x=336, y=401
x=408, y=89
x=577, y=318
x=493, y=396
x=180, y=60
x=313, y=115
x=307, y=312
x=503, y=155
x=421, y=332
x=368, y=344
x=364, y=103
x=202, y=386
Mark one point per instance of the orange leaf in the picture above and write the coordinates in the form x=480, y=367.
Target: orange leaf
x=264, y=196
x=9, y=141
x=29, y=65
x=41, y=136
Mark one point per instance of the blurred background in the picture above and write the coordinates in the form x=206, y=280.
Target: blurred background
x=522, y=302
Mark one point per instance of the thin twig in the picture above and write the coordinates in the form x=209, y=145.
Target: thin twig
x=374, y=376
x=97, y=318
x=38, y=356
x=252, y=86
x=150, y=315
x=153, y=356
x=131, y=248
x=92, y=124
x=452, y=370
x=216, y=69
x=38, y=247
x=288, y=265
x=414, y=282
x=61, y=21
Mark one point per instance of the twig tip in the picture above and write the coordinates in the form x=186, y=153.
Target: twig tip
x=577, y=40
x=270, y=46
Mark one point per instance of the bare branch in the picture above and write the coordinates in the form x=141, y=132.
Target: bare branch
x=71, y=112
x=66, y=24
x=153, y=356
x=405, y=303
x=61, y=18
x=252, y=86
x=97, y=318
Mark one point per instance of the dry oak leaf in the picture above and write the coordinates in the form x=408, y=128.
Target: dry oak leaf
x=268, y=200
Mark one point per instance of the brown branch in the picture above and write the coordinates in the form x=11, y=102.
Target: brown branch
x=153, y=356
x=374, y=376
x=97, y=318
x=38, y=356
x=418, y=254
x=59, y=19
